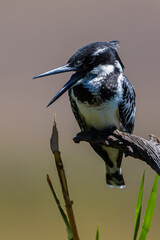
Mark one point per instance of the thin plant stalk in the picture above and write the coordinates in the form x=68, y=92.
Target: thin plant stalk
x=62, y=177
x=70, y=235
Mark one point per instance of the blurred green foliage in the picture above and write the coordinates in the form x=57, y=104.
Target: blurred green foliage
x=149, y=210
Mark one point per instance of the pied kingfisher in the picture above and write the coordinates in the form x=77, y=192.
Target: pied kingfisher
x=101, y=97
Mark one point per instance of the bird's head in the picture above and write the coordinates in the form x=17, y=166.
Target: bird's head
x=85, y=60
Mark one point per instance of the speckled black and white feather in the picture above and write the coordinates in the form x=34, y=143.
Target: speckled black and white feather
x=127, y=106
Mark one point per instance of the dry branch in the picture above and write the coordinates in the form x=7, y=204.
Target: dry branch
x=131, y=145
x=63, y=180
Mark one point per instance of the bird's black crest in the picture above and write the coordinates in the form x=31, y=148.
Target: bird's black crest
x=95, y=53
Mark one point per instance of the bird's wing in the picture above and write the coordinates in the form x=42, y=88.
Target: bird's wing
x=127, y=106
x=76, y=113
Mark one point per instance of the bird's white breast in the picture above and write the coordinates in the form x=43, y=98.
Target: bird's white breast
x=99, y=117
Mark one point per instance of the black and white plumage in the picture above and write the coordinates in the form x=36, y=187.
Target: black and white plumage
x=101, y=96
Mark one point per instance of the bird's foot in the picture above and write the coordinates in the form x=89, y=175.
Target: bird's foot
x=91, y=136
x=94, y=136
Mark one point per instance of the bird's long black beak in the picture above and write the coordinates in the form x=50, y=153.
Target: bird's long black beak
x=66, y=68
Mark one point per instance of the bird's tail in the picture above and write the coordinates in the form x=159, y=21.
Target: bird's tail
x=114, y=179
x=113, y=159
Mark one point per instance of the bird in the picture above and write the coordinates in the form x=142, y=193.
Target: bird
x=101, y=97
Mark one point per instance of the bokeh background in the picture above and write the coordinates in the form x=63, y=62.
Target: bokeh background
x=36, y=36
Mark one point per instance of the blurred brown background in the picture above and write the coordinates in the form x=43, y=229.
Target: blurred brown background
x=36, y=36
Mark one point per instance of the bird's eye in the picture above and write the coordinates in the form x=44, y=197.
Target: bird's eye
x=78, y=63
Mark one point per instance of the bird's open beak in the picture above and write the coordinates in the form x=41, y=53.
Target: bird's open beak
x=66, y=68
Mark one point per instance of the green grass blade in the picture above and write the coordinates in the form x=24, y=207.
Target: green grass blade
x=70, y=235
x=149, y=210
x=97, y=234
x=138, y=208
